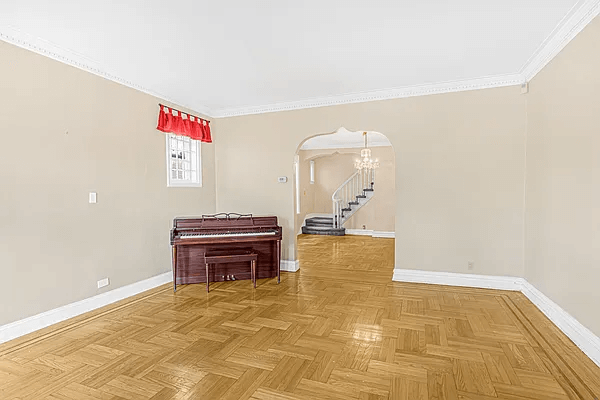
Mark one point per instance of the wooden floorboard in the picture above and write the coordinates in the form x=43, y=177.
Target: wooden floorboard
x=337, y=329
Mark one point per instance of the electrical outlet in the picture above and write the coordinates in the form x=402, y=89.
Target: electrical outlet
x=471, y=266
x=103, y=282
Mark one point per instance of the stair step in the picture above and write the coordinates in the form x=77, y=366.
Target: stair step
x=368, y=190
x=318, y=222
x=329, y=231
x=361, y=196
x=353, y=203
x=346, y=209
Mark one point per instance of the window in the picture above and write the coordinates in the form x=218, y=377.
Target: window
x=184, y=168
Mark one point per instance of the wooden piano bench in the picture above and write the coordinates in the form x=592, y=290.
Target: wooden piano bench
x=231, y=257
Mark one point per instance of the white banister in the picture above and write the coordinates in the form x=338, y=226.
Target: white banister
x=348, y=192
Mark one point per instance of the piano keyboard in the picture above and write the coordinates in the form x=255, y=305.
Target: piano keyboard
x=225, y=234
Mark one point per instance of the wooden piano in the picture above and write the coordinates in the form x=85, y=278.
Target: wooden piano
x=192, y=238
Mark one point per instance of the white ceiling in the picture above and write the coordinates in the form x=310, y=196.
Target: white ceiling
x=234, y=57
x=344, y=139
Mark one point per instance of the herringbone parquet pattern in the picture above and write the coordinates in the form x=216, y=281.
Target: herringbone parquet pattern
x=337, y=329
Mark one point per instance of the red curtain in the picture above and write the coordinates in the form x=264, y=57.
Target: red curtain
x=197, y=129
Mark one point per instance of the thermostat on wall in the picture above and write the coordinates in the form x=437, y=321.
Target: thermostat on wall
x=282, y=179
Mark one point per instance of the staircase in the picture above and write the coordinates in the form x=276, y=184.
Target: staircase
x=350, y=197
x=321, y=226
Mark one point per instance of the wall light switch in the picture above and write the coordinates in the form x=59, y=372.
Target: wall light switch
x=282, y=179
x=103, y=282
x=93, y=197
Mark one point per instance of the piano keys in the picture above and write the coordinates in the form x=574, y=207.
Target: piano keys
x=192, y=238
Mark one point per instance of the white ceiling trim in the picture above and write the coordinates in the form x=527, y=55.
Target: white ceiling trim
x=573, y=23
x=581, y=15
x=388, y=94
x=45, y=48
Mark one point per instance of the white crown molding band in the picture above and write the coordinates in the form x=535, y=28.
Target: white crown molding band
x=573, y=23
x=65, y=56
x=585, y=339
x=376, y=95
x=45, y=319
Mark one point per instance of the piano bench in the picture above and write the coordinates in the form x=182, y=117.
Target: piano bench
x=231, y=257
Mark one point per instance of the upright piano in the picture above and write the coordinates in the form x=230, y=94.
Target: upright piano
x=192, y=238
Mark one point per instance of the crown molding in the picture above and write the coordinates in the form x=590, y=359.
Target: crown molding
x=578, y=18
x=580, y=15
x=74, y=59
x=376, y=95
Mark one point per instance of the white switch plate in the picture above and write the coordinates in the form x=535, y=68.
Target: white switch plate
x=93, y=197
x=282, y=179
x=103, y=282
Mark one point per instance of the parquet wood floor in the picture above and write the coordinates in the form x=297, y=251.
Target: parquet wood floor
x=337, y=329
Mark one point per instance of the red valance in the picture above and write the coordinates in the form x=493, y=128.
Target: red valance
x=197, y=129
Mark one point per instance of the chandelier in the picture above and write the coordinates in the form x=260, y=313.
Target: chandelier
x=365, y=162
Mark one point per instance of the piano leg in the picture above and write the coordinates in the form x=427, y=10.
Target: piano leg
x=254, y=272
x=278, y=261
x=174, y=268
x=206, y=277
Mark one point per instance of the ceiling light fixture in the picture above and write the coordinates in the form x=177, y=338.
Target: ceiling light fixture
x=366, y=162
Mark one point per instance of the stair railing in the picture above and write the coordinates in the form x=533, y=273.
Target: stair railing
x=348, y=191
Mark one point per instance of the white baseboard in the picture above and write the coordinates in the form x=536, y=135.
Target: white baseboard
x=45, y=319
x=289, y=265
x=585, y=339
x=382, y=234
x=25, y=326
x=452, y=279
x=375, y=234
x=359, y=232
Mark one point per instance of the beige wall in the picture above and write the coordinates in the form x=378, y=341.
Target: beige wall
x=563, y=179
x=66, y=132
x=460, y=164
x=332, y=168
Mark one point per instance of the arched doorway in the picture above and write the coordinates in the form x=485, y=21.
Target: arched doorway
x=324, y=165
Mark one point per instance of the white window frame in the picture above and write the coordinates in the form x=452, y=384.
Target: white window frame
x=183, y=182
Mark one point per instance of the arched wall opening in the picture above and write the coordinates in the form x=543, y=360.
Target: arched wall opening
x=322, y=162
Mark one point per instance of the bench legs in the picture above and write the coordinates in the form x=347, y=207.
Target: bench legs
x=253, y=273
